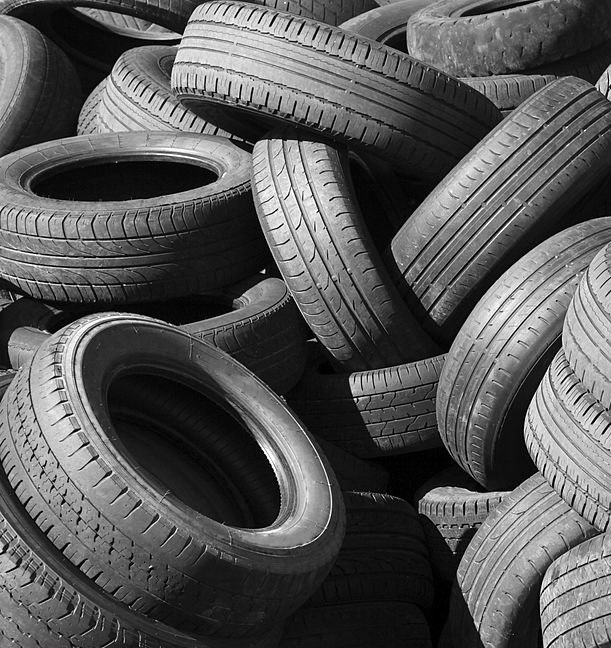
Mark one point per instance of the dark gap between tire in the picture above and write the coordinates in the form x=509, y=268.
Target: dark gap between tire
x=121, y=180
x=205, y=470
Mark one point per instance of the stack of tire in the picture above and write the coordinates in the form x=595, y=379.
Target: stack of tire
x=339, y=270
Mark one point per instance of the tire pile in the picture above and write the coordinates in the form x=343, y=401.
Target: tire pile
x=305, y=324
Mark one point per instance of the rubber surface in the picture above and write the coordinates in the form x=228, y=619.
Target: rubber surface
x=289, y=69
x=88, y=116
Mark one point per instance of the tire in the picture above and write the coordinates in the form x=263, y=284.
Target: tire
x=585, y=337
x=508, y=91
x=496, y=600
x=371, y=413
x=452, y=508
x=565, y=434
x=484, y=37
x=497, y=204
x=502, y=352
x=308, y=211
x=232, y=581
x=39, y=88
x=575, y=597
x=138, y=96
x=260, y=327
x=384, y=556
x=88, y=122
x=62, y=245
x=124, y=25
x=365, y=95
x=358, y=625
x=386, y=24
x=32, y=572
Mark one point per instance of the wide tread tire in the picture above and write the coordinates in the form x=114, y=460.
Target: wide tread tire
x=575, y=601
x=108, y=518
x=496, y=599
x=317, y=234
x=515, y=189
x=331, y=82
x=502, y=352
x=566, y=433
x=371, y=413
x=480, y=38
x=119, y=251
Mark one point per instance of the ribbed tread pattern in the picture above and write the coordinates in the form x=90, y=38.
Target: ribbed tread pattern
x=478, y=42
x=138, y=96
x=585, y=338
x=515, y=189
x=452, y=507
x=88, y=117
x=496, y=601
x=127, y=25
x=317, y=234
x=329, y=81
x=502, y=351
x=508, y=91
x=566, y=433
x=372, y=413
x=133, y=250
x=575, y=597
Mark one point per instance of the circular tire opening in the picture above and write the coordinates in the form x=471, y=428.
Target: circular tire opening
x=191, y=447
x=121, y=180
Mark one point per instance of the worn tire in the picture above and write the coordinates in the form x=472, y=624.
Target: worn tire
x=452, y=508
x=199, y=238
x=481, y=37
x=575, y=601
x=363, y=94
x=497, y=204
x=231, y=581
x=502, y=352
x=308, y=211
x=566, y=435
x=371, y=413
x=496, y=600
x=40, y=95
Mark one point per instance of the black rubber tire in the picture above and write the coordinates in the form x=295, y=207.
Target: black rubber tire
x=40, y=95
x=314, y=227
x=483, y=37
x=386, y=24
x=575, y=601
x=502, y=352
x=496, y=600
x=452, y=508
x=585, y=338
x=261, y=329
x=138, y=96
x=33, y=615
x=354, y=474
x=508, y=91
x=125, y=25
x=384, y=556
x=514, y=190
x=290, y=69
x=565, y=433
x=118, y=251
x=370, y=413
x=358, y=625
x=234, y=581
x=88, y=117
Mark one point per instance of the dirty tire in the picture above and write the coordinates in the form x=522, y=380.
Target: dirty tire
x=575, y=600
x=496, y=600
x=170, y=543
x=502, y=352
x=201, y=235
x=309, y=214
x=452, y=507
x=497, y=204
x=371, y=413
x=467, y=38
x=363, y=94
